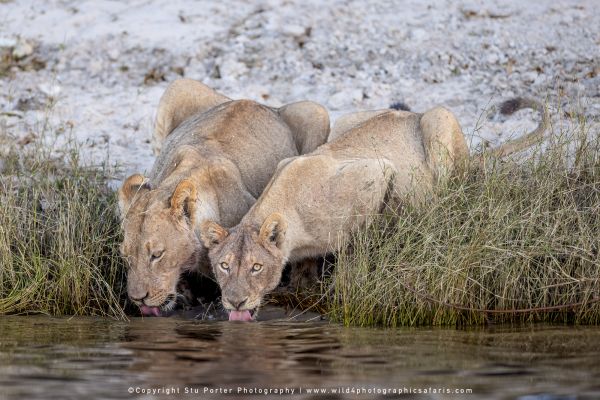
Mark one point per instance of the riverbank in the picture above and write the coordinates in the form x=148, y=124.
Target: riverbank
x=504, y=241
x=80, y=82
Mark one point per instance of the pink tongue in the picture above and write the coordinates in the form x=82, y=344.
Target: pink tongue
x=147, y=311
x=240, y=316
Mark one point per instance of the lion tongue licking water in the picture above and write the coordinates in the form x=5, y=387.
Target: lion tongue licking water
x=240, y=315
x=147, y=311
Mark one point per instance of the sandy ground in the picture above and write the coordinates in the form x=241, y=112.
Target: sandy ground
x=95, y=70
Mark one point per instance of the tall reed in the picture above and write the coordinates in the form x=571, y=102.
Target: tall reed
x=505, y=240
x=59, y=234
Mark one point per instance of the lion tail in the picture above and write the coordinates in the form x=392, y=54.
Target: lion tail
x=399, y=106
x=511, y=106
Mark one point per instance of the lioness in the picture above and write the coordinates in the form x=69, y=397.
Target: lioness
x=314, y=202
x=217, y=156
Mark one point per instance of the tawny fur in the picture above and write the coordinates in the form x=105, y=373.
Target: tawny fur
x=314, y=202
x=217, y=156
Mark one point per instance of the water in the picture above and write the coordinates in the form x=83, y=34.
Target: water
x=60, y=358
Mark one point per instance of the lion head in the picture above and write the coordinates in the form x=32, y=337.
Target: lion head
x=159, y=241
x=246, y=262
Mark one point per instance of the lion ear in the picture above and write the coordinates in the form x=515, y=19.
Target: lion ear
x=273, y=229
x=183, y=200
x=131, y=186
x=212, y=234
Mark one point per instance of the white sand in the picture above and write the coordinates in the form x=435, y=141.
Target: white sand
x=346, y=55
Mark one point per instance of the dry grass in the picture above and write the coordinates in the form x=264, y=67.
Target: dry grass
x=493, y=239
x=58, y=234
x=492, y=242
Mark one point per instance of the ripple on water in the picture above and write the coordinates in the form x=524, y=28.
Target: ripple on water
x=43, y=357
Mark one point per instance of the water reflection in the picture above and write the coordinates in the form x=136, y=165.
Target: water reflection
x=60, y=358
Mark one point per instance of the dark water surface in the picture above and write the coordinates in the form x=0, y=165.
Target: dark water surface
x=89, y=358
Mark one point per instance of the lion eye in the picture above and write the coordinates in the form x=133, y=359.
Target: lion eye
x=257, y=268
x=156, y=255
x=224, y=266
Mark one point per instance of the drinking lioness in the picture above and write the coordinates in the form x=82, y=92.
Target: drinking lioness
x=316, y=201
x=217, y=156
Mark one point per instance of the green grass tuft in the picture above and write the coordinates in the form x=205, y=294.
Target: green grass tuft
x=59, y=235
x=492, y=240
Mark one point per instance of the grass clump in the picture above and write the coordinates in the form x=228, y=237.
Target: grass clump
x=506, y=241
x=58, y=234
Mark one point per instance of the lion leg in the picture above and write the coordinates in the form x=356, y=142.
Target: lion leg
x=182, y=99
x=304, y=274
x=309, y=123
x=444, y=141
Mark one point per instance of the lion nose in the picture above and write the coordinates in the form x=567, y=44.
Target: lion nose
x=140, y=299
x=236, y=303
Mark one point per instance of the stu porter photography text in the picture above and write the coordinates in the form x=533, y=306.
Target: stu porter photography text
x=283, y=391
